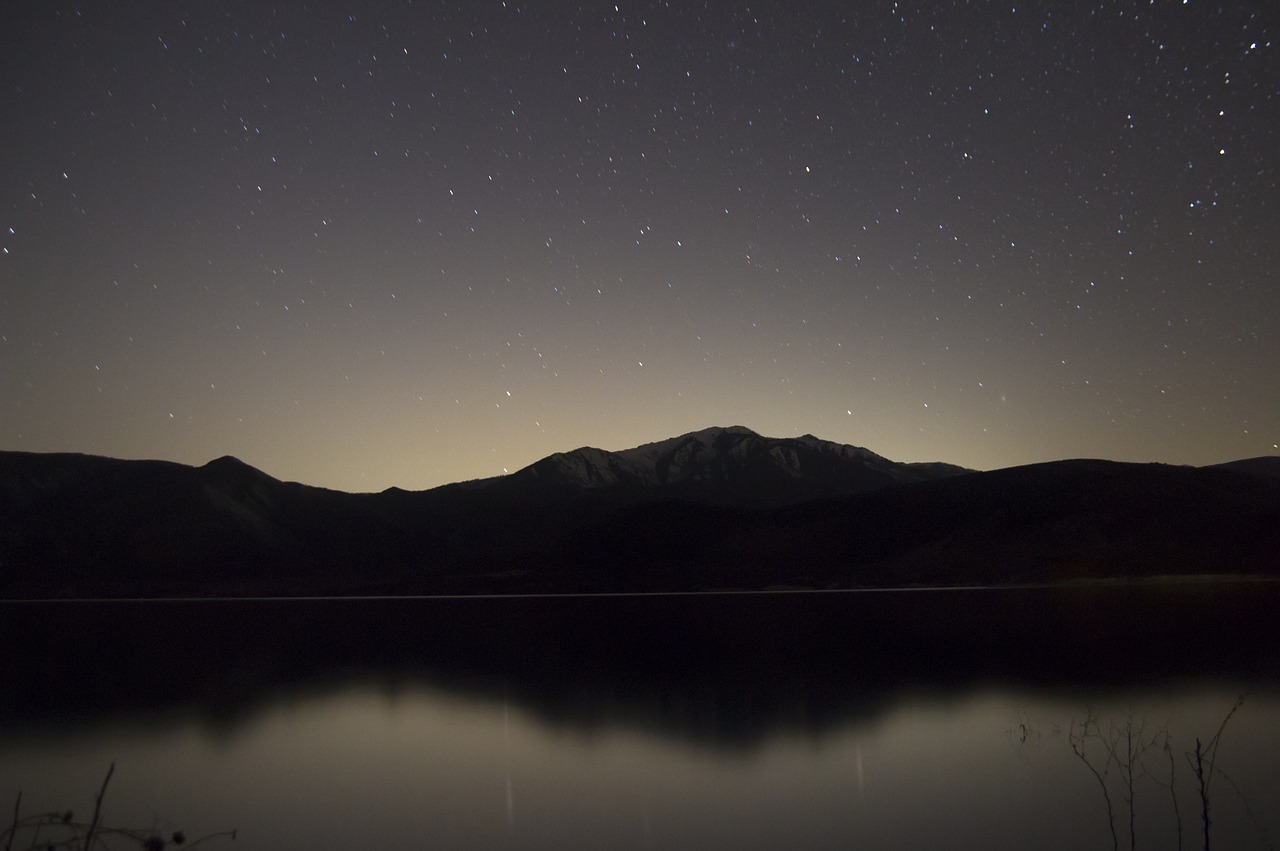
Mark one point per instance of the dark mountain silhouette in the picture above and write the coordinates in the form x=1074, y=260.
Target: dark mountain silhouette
x=726, y=466
x=719, y=508
x=1266, y=465
x=85, y=524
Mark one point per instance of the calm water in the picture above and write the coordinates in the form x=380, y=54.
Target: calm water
x=885, y=720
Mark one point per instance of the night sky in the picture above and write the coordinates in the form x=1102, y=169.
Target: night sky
x=372, y=243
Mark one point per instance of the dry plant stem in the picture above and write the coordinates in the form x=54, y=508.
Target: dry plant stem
x=1131, y=752
x=97, y=809
x=1173, y=792
x=231, y=834
x=1077, y=742
x=1204, y=793
x=1213, y=743
x=1209, y=753
x=80, y=836
x=1128, y=778
x=1130, y=764
x=1263, y=838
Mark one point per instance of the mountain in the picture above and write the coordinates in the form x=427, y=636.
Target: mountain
x=85, y=524
x=1266, y=465
x=718, y=508
x=725, y=466
x=1053, y=522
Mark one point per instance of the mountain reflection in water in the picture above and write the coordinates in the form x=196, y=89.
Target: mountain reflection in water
x=893, y=720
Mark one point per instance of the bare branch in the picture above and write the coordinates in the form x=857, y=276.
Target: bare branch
x=1078, y=743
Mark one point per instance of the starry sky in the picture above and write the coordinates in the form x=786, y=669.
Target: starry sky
x=361, y=244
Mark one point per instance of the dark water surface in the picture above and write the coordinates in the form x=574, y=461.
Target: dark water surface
x=869, y=720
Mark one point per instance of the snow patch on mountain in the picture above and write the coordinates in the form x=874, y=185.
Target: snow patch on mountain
x=730, y=464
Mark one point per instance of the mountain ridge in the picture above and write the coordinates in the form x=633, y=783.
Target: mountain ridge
x=730, y=465
x=716, y=508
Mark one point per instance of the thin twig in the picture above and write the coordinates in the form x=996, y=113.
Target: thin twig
x=228, y=833
x=1173, y=791
x=1198, y=765
x=1078, y=747
x=1248, y=809
x=97, y=809
x=1209, y=753
x=1212, y=750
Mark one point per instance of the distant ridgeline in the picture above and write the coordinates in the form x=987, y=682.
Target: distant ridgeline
x=722, y=508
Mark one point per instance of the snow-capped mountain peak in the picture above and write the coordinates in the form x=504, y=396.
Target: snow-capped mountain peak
x=727, y=465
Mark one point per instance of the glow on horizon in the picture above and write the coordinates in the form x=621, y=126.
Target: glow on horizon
x=391, y=247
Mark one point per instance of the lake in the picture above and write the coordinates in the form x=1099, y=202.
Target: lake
x=909, y=719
